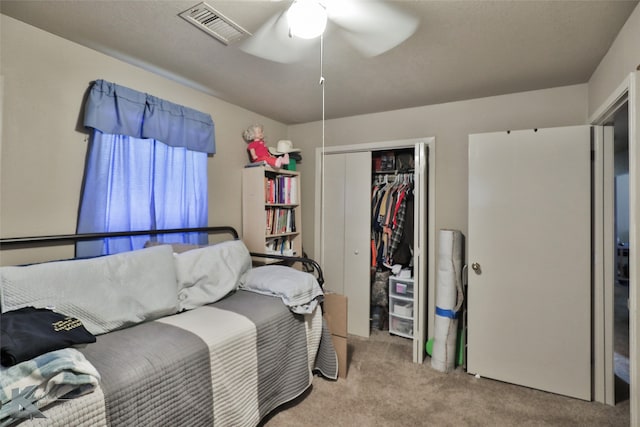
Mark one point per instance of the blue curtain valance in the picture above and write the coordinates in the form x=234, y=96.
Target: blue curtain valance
x=118, y=110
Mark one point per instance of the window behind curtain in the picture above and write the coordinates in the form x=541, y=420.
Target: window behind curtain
x=141, y=184
x=134, y=180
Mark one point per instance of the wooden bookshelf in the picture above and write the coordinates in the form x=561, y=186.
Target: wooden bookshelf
x=271, y=210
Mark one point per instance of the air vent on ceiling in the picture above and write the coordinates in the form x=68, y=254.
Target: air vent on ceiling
x=214, y=23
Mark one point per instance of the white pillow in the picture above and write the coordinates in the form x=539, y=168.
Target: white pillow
x=208, y=274
x=298, y=290
x=105, y=293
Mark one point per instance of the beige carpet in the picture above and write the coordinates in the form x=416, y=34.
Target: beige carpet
x=384, y=388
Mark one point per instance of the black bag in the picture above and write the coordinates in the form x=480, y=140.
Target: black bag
x=29, y=332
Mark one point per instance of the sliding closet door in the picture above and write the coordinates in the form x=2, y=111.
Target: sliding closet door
x=347, y=229
x=332, y=223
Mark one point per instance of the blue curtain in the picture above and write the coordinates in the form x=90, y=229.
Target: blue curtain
x=118, y=110
x=140, y=183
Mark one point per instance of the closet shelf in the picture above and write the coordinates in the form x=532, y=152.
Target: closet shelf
x=394, y=172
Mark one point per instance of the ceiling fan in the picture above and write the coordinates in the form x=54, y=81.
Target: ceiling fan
x=371, y=26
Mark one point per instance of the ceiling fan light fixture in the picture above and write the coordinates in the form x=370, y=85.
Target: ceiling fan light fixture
x=307, y=19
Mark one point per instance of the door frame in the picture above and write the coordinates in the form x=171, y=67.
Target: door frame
x=603, y=388
x=430, y=142
x=628, y=91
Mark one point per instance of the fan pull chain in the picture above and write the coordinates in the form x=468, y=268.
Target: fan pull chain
x=322, y=70
x=322, y=192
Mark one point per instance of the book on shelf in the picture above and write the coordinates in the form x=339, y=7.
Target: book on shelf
x=292, y=221
x=294, y=190
x=281, y=189
x=280, y=245
x=280, y=220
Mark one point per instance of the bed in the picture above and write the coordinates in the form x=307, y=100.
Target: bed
x=227, y=363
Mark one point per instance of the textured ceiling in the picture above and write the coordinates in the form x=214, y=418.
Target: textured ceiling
x=461, y=50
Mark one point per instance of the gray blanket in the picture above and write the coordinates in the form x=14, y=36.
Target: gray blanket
x=225, y=364
x=154, y=374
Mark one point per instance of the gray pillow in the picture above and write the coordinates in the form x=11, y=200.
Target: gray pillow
x=205, y=275
x=298, y=290
x=105, y=293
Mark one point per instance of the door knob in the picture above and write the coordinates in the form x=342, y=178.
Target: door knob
x=476, y=267
x=356, y=252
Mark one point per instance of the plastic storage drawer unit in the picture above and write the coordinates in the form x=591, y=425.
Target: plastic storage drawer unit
x=401, y=306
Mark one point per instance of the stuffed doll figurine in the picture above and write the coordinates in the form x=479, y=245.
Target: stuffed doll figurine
x=258, y=151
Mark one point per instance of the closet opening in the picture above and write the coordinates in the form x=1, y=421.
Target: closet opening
x=345, y=178
x=392, y=231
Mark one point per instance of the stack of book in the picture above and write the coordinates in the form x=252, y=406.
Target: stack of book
x=280, y=220
x=280, y=246
x=281, y=189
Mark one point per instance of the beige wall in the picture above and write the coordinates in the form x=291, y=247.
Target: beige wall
x=622, y=58
x=43, y=144
x=451, y=125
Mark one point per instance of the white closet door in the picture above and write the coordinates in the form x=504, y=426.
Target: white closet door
x=529, y=246
x=332, y=244
x=347, y=224
x=420, y=251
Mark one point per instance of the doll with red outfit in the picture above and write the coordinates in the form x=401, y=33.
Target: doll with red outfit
x=258, y=151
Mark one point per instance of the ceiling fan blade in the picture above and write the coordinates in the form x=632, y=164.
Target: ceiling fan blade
x=272, y=41
x=372, y=27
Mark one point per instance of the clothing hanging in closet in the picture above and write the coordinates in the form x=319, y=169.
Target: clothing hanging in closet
x=392, y=220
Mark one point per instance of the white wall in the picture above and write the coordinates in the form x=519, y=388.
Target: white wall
x=622, y=58
x=43, y=143
x=451, y=125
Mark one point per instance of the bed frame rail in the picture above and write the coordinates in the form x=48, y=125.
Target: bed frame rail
x=60, y=239
x=35, y=241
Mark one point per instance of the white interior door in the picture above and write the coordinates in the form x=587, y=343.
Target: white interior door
x=529, y=246
x=347, y=230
